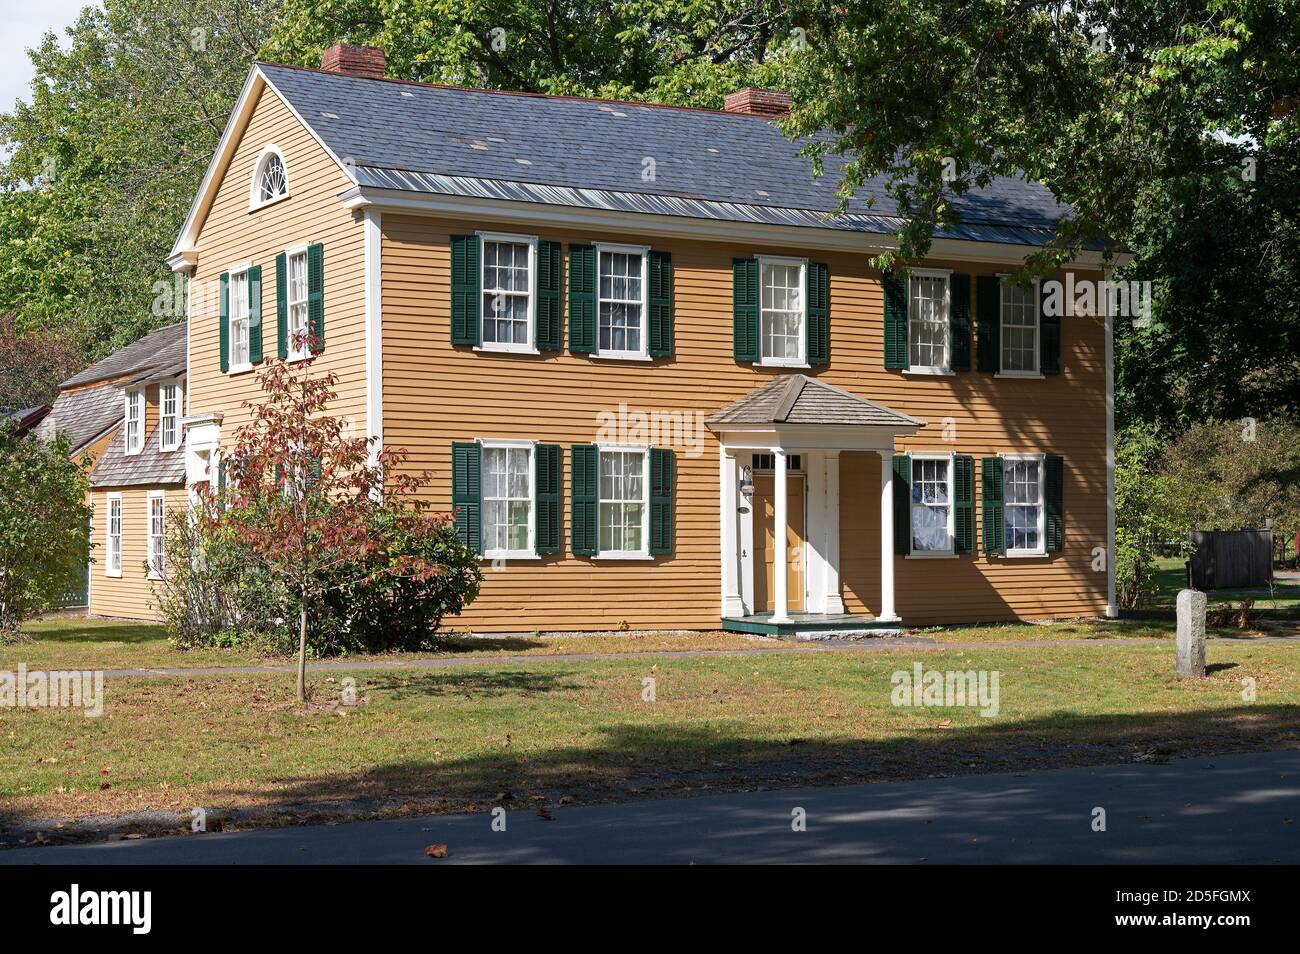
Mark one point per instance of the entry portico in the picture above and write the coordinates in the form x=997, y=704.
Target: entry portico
x=795, y=419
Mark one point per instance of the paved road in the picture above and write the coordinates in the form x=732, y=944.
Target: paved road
x=1226, y=809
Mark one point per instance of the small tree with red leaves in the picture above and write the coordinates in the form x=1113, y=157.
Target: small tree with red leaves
x=314, y=506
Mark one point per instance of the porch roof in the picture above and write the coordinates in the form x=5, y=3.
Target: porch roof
x=800, y=400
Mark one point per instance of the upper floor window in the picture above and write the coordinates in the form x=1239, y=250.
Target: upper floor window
x=508, y=263
x=169, y=417
x=932, y=513
x=270, y=178
x=1019, y=331
x=621, y=296
x=927, y=322
x=133, y=432
x=239, y=310
x=299, y=345
x=782, y=317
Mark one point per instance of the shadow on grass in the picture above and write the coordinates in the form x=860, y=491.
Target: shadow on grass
x=636, y=760
x=460, y=645
x=88, y=631
x=470, y=685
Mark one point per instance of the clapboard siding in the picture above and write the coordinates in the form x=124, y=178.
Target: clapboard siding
x=129, y=596
x=435, y=393
x=231, y=235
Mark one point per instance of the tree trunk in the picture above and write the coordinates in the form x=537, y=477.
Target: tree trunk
x=302, y=650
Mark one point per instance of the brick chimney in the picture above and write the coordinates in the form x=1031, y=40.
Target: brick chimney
x=353, y=60
x=759, y=102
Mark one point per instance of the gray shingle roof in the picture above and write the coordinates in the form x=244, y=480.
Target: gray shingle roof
x=152, y=466
x=160, y=353
x=799, y=399
x=83, y=415
x=569, y=151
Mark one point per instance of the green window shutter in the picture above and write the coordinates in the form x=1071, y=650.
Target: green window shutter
x=282, y=306
x=255, y=315
x=895, y=292
x=583, y=504
x=547, y=478
x=1049, y=338
x=466, y=494
x=225, y=322
x=993, y=515
x=959, y=321
x=661, y=304
x=1053, y=485
x=313, y=471
x=662, y=478
x=221, y=474
x=744, y=309
x=988, y=323
x=316, y=296
x=818, y=296
x=902, y=504
x=550, y=271
x=582, y=299
x=963, y=492
x=466, y=295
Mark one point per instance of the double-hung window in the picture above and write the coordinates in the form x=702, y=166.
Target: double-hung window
x=154, y=542
x=507, y=482
x=507, y=282
x=169, y=415
x=928, y=345
x=1019, y=332
x=1022, y=501
x=133, y=427
x=239, y=318
x=623, y=503
x=783, y=312
x=622, y=292
x=296, y=323
x=113, y=536
x=932, y=504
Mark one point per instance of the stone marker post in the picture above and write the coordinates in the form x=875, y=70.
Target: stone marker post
x=1191, y=634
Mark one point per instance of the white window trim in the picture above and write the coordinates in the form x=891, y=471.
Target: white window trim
x=129, y=448
x=289, y=253
x=153, y=495
x=951, y=550
x=531, y=446
x=946, y=367
x=644, y=552
x=109, y=569
x=242, y=268
x=531, y=241
x=162, y=416
x=643, y=354
x=802, y=360
x=1037, y=372
x=254, y=200
x=1041, y=549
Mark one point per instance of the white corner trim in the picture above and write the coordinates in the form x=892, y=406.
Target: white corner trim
x=374, y=331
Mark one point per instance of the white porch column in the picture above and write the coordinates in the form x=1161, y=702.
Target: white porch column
x=834, y=602
x=732, y=603
x=887, y=613
x=780, y=598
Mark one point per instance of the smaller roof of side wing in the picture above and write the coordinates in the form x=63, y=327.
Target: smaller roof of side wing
x=800, y=400
x=159, y=352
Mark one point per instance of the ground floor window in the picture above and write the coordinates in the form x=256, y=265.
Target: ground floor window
x=932, y=505
x=507, y=475
x=156, y=526
x=623, y=507
x=113, y=536
x=1022, y=494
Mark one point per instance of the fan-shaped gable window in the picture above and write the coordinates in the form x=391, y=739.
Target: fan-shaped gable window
x=270, y=178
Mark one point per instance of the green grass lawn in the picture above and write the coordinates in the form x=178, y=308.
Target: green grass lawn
x=1172, y=577
x=456, y=739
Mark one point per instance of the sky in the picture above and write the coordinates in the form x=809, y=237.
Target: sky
x=22, y=24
